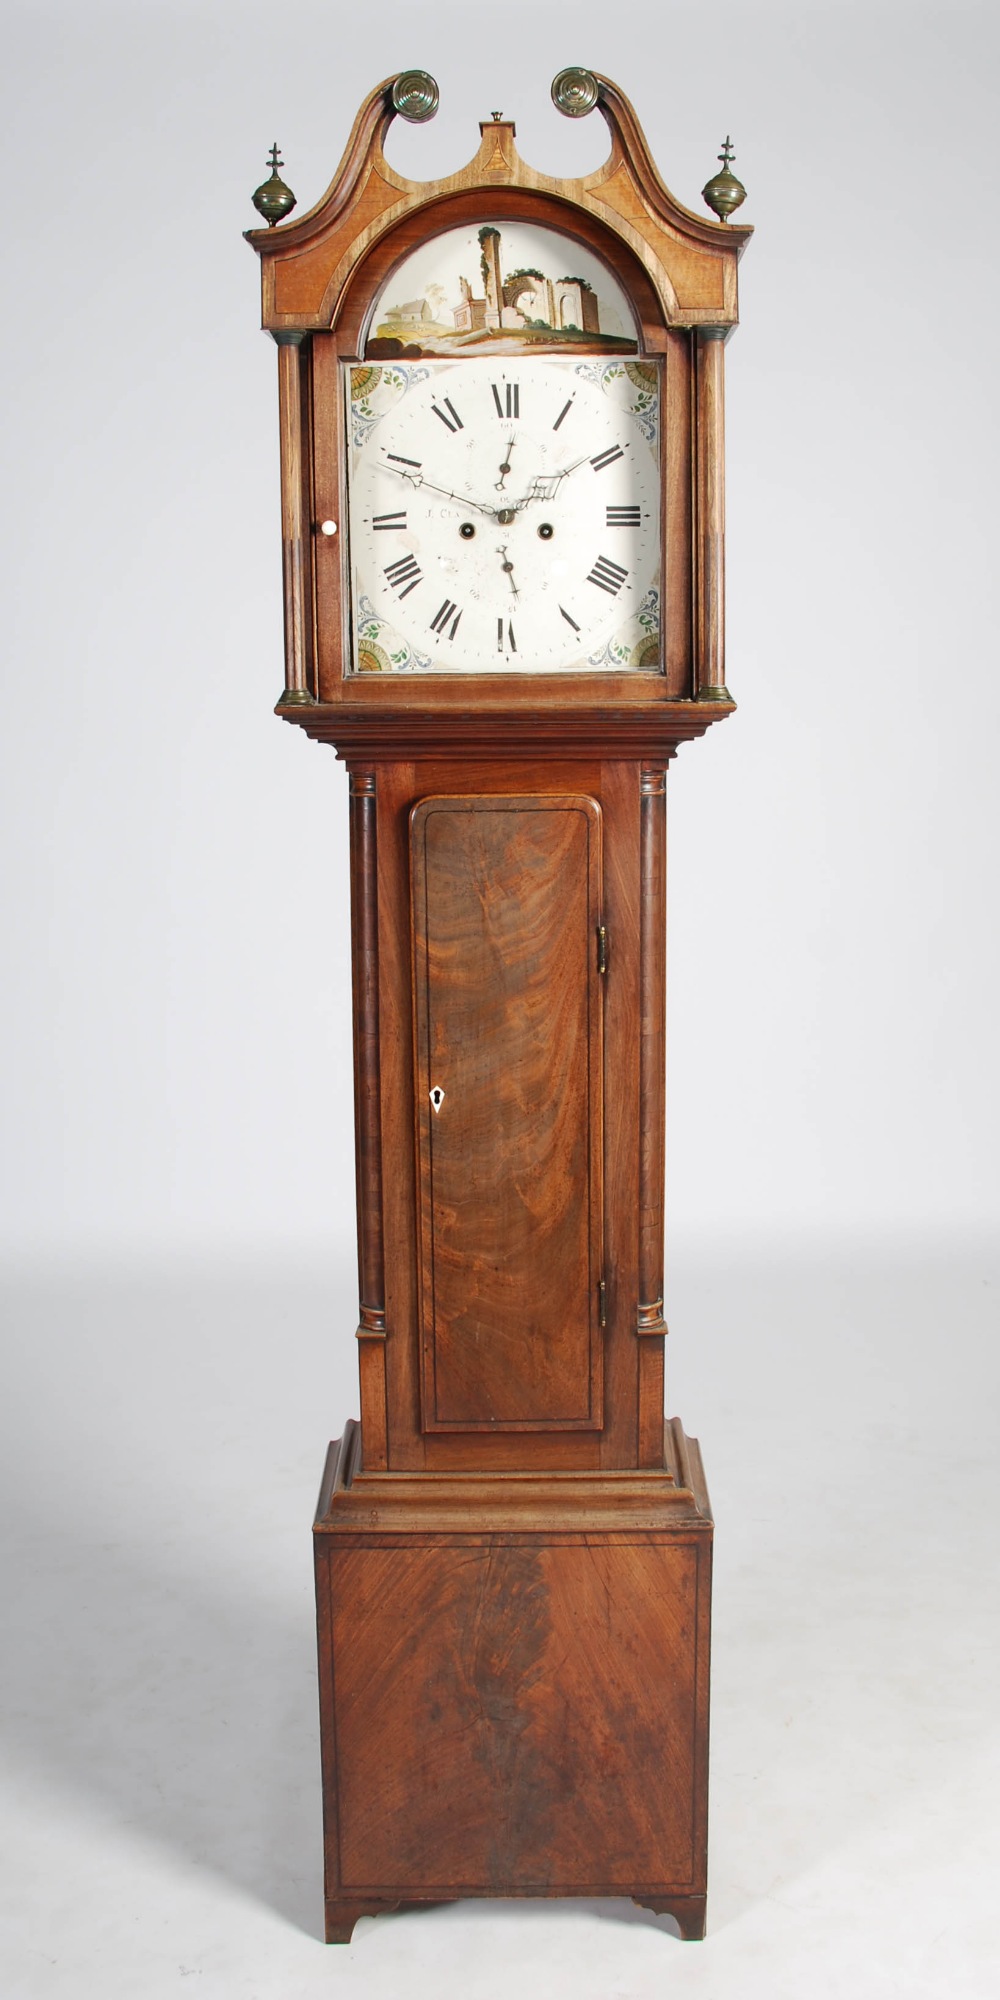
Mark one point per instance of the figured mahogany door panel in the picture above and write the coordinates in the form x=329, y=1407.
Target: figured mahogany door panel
x=521, y=1716
x=509, y=1061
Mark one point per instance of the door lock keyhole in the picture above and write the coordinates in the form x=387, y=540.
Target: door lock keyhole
x=437, y=1096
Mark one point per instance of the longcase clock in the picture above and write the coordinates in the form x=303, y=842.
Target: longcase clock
x=502, y=479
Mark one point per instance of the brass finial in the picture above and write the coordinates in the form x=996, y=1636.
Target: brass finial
x=415, y=96
x=273, y=200
x=724, y=192
x=574, y=92
x=496, y=116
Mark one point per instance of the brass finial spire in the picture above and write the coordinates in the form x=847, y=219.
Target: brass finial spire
x=724, y=192
x=273, y=200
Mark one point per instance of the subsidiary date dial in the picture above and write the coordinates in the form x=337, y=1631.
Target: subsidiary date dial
x=504, y=517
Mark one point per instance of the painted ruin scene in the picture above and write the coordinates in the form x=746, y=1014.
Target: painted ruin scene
x=502, y=286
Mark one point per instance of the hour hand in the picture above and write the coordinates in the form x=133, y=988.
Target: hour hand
x=545, y=485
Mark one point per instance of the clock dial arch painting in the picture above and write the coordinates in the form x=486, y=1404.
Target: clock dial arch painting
x=503, y=286
x=504, y=515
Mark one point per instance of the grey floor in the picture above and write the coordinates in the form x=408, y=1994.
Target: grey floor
x=160, y=1812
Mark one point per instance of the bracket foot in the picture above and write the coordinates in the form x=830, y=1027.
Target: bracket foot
x=688, y=1912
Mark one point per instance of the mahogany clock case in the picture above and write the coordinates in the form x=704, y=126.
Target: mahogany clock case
x=512, y=1554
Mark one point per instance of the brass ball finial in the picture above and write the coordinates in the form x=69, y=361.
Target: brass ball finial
x=574, y=92
x=724, y=192
x=273, y=200
x=415, y=96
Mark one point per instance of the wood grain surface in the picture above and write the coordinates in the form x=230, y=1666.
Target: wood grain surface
x=506, y=906
x=710, y=535
x=513, y=1238
x=534, y=1712
x=368, y=1120
x=518, y=1710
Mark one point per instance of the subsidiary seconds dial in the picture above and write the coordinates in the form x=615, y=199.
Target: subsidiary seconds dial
x=504, y=517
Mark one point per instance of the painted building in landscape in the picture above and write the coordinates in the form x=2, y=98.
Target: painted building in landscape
x=526, y=298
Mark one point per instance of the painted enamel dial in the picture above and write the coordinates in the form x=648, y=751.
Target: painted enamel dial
x=504, y=516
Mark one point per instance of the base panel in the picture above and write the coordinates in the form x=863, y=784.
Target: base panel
x=517, y=1706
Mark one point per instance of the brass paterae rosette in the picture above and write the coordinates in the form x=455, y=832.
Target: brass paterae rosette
x=574, y=92
x=415, y=95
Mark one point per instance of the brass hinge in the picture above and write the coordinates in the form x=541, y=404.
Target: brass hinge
x=602, y=1305
x=602, y=948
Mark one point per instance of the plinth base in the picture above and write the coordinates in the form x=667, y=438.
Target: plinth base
x=341, y=1916
x=514, y=1685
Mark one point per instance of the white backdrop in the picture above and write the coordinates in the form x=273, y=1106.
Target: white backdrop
x=174, y=1013
x=178, y=1181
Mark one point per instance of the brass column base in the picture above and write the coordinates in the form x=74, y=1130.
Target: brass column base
x=294, y=697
